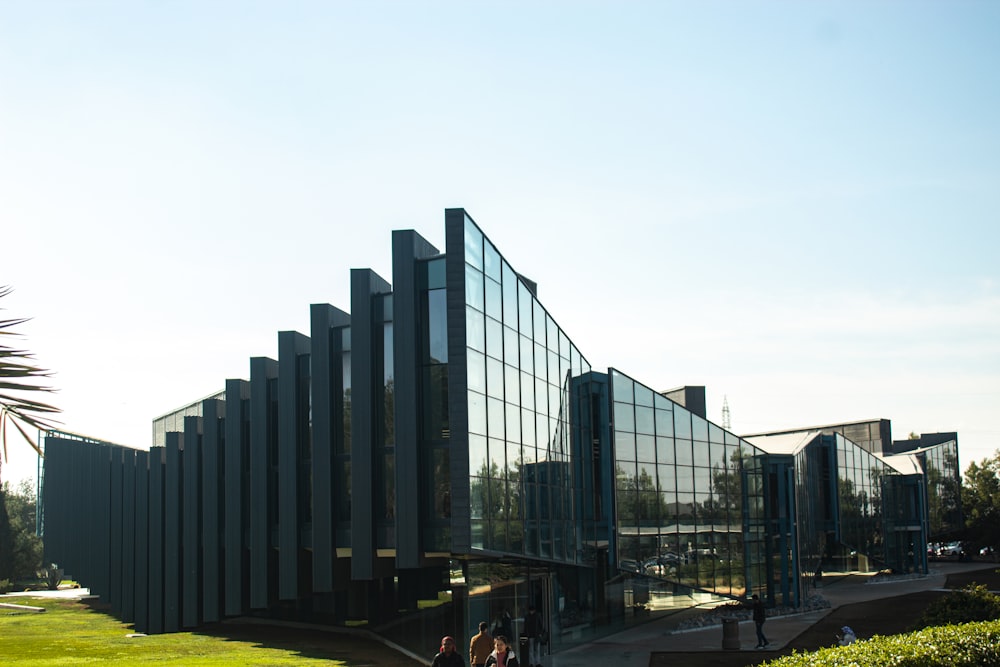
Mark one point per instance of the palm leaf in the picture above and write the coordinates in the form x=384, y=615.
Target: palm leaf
x=18, y=376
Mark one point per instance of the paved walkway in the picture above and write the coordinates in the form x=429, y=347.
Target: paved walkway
x=632, y=647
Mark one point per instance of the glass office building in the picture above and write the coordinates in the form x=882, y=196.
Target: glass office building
x=442, y=453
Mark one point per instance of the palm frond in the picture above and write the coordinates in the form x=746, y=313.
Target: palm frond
x=20, y=375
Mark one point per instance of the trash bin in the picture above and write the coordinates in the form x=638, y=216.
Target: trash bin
x=731, y=633
x=522, y=649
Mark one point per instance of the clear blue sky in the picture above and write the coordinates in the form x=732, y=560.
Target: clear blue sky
x=795, y=204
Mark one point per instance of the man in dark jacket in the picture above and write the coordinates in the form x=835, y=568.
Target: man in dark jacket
x=533, y=631
x=759, y=616
x=448, y=656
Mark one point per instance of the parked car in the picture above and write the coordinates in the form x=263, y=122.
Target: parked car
x=951, y=550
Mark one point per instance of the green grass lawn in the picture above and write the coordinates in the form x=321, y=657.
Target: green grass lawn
x=70, y=633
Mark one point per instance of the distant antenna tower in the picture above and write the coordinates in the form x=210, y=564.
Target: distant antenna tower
x=726, y=424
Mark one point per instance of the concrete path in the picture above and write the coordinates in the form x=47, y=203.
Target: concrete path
x=632, y=647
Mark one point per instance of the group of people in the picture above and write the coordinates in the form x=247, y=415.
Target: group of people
x=496, y=649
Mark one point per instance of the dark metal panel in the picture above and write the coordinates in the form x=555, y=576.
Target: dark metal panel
x=53, y=493
x=292, y=446
x=407, y=248
x=127, y=572
x=101, y=523
x=114, y=519
x=212, y=411
x=365, y=283
x=141, y=558
x=458, y=407
x=172, y=496
x=237, y=488
x=262, y=371
x=157, y=465
x=191, y=505
x=325, y=380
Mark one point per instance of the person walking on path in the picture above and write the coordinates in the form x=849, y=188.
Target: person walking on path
x=503, y=655
x=533, y=631
x=480, y=647
x=759, y=616
x=448, y=656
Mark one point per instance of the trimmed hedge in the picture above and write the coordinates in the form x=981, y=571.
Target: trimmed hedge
x=967, y=605
x=967, y=645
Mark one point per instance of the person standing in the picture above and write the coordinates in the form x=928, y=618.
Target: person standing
x=448, y=656
x=533, y=631
x=502, y=655
x=480, y=647
x=759, y=616
x=504, y=625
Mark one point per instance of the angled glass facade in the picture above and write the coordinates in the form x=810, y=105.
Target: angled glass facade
x=447, y=448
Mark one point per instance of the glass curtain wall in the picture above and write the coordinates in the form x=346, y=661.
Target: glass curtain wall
x=859, y=497
x=436, y=436
x=684, y=490
x=942, y=479
x=520, y=364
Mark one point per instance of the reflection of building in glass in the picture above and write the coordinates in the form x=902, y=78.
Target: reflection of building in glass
x=444, y=454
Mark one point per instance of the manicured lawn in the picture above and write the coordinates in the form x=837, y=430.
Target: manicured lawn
x=70, y=633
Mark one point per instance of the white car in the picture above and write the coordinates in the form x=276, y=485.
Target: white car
x=951, y=550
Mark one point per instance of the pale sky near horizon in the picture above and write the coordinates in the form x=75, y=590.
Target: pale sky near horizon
x=794, y=204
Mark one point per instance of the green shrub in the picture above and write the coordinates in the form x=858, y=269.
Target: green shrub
x=5, y=586
x=968, y=645
x=972, y=603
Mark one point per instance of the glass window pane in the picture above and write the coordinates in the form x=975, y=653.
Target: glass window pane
x=513, y=423
x=524, y=302
x=477, y=452
x=435, y=274
x=624, y=446
x=541, y=364
x=512, y=385
x=539, y=320
x=621, y=388
x=664, y=450
x=643, y=419
x=528, y=429
x=475, y=329
x=494, y=378
x=701, y=453
x=477, y=413
x=624, y=417
x=494, y=338
x=494, y=304
x=541, y=396
x=491, y=261
x=527, y=391
x=509, y=289
x=436, y=347
x=682, y=451
x=682, y=423
x=527, y=355
x=473, y=245
x=645, y=448
x=495, y=417
x=474, y=288
x=510, y=346
x=699, y=428
x=476, y=371
x=643, y=396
